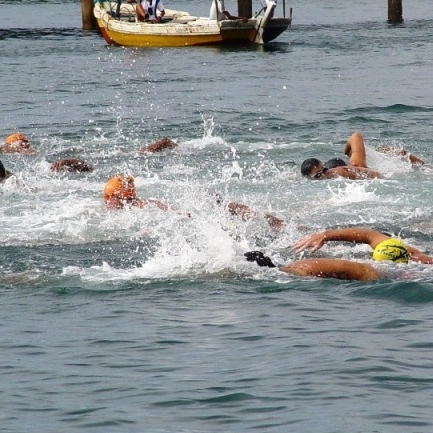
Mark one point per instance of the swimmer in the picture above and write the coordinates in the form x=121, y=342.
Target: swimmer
x=415, y=160
x=17, y=143
x=357, y=168
x=120, y=192
x=384, y=247
x=158, y=146
x=245, y=213
x=72, y=165
x=4, y=174
x=321, y=268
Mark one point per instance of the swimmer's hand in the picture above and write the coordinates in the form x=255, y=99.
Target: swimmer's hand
x=259, y=258
x=313, y=242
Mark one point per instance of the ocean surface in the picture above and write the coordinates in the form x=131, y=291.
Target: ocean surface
x=150, y=321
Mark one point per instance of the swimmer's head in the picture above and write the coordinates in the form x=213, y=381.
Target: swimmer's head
x=17, y=140
x=73, y=165
x=120, y=187
x=2, y=171
x=313, y=168
x=391, y=249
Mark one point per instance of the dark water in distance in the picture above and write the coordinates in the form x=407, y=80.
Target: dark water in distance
x=144, y=321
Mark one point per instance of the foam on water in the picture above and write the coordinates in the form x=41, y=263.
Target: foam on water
x=186, y=247
x=350, y=192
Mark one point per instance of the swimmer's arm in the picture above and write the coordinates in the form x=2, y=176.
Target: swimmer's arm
x=355, y=150
x=358, y=235
x=10, y=149
x=158, y=146
x=401, y=152
x=332, y=268
x=418, y=256
x=246, y=213
x=141, y=203
x=275, y=222
x=240, y=210
x=415, y=159
x=159, y=204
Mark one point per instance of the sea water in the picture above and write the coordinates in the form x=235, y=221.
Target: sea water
x=152, y=321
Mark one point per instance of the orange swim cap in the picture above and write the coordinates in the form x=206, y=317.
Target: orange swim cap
x=17, y=136
x=122, y=187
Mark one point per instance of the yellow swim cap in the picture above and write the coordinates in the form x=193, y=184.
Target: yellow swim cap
x=391, y=249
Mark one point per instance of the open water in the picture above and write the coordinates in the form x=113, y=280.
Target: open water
x=145, y=321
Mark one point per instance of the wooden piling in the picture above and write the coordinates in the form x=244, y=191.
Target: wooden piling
x=245, y=8
x=89, y=20
x=395, y=11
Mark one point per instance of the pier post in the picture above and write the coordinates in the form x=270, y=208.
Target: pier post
x=395, y=11
x=245, y=8
x=89, y=20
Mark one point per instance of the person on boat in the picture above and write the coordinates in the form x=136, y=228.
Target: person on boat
x=265, y=3
x=158, y=146
x=71, y=165
x=147, y=10
x=357, y=168
x=17, y=143
x=119, y=193
x=4, y=174
x=384, y=246
x=220, y=13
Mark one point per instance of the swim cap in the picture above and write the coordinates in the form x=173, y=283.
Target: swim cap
x=17, y=136
x=334, y=162
x=309, y=165
x=120, y=186
x=2, y=171
x=391, y=249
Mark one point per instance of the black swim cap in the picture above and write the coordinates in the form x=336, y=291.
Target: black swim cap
x=2, y=171
x=334, y=162
x=308, y=165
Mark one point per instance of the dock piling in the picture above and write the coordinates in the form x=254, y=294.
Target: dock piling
x=245, y=8
x=89, y=20
x=395, y=11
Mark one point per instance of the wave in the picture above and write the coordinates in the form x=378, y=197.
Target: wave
x=37, y=33
x=394, y=108
x=404, y=292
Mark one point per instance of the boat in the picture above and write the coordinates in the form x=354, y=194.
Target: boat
x=119, y=26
